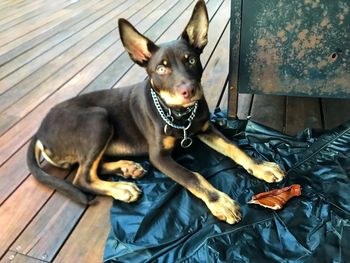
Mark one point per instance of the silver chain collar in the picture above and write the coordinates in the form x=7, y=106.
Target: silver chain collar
x=169, y=120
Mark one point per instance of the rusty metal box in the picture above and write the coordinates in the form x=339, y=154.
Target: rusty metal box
x=293, y=47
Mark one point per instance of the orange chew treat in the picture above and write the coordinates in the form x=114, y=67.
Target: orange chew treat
x=275, y=199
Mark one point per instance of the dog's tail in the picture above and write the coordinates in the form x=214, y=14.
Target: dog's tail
x=61, y=185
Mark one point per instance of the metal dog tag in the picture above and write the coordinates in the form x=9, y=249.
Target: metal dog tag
x=186, y=142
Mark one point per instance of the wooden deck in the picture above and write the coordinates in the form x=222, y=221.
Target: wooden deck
x=53, y=50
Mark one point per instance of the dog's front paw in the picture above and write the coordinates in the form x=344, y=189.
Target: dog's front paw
x=268, y=171
x=126, y=192
x=225, y=209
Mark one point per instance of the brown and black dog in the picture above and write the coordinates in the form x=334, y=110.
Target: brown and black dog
x=151, y=117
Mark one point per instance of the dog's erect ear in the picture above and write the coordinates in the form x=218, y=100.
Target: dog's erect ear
x=196, y=31
x=139, y=47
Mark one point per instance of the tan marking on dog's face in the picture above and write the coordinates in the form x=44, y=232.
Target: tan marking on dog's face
x=169, y=142
x=205, y=126
x=152, y=83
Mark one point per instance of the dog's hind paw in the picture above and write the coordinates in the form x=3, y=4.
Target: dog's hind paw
x=225, y=209
x=126, y=192
x=269, y=172
x=133, y=170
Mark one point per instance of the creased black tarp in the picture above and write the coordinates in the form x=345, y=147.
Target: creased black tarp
x=168, y=224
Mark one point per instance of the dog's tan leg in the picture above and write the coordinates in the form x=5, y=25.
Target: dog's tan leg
x=88, y=179
x=126, y=169
x=267, y=171
x=219, y=203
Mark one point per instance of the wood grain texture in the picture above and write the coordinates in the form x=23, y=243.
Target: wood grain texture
x=269, y=110
x=335, y=112
x=47, y=232
x=20, y=208
x=302, y=112
x=92, y=230
x=14, y=257
x=244, y=105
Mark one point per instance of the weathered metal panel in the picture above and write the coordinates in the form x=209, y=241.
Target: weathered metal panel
x=295, y=47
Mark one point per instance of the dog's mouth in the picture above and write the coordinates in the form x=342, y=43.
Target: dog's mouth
x=188, y=103
x=178, y=100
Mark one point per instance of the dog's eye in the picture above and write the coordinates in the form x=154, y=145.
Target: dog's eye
x=192, y=60
x=161, y=69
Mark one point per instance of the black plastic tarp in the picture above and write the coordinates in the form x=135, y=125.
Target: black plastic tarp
x=168, y=224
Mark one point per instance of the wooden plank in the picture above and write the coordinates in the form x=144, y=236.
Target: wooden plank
x=335, y=112
x=27, y=16
x=270, y=111
x=235, y=40
x=46, y=233
x=26, y=39
x=86, y=244
x=23, y=29
x=20, y=45
x=11, y=9
x=108, y=78
x=12, y=173
x=38, y=72
x=301, y=113
x=21, y=207
x=244, y=105
x=216, y=71
x=7, y=4
x=56, y=44
x=14, y=257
